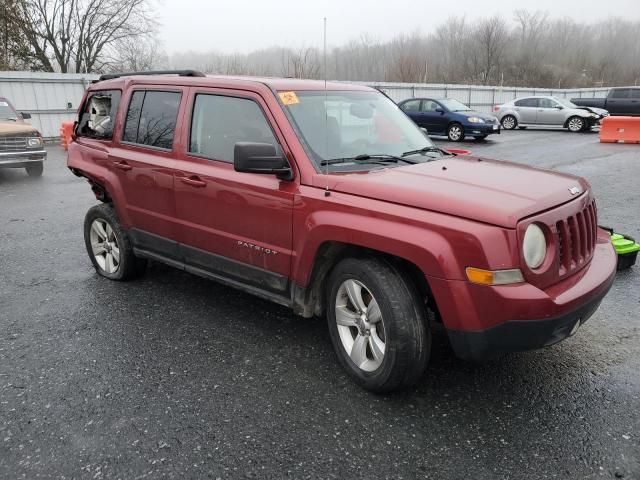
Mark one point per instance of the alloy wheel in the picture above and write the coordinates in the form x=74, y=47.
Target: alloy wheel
x=104, y=246
x=509, y=122
x=360, y=325
x=576, y=124
x=455, y=132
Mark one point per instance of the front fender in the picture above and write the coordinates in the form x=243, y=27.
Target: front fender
x=439, y=245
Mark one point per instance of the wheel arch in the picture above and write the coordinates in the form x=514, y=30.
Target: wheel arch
x=311, y=300
x=585, y=118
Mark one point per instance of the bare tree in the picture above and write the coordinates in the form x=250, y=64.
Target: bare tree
x=302, y=63
x=492, y=38
x=135, y=55
x=77, y=35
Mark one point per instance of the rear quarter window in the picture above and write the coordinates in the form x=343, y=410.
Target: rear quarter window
x=98, y=114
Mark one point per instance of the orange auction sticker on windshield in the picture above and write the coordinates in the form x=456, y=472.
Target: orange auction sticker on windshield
x=289, y=98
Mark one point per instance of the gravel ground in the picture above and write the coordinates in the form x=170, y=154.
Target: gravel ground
x=175, y=376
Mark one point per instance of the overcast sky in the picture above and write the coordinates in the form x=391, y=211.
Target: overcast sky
x=242, y=26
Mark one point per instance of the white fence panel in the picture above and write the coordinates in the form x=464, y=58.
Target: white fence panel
x=50, y=98
x=47, y=96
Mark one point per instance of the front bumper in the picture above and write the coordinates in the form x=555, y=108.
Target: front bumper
x=484, y=321
x=21, y=159
x=472, y=129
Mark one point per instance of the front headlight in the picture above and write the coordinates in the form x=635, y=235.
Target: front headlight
x=35, y=142
x=476, y=120
x=534, y=246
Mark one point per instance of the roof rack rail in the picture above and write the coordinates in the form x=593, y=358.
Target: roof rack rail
x=181, y=73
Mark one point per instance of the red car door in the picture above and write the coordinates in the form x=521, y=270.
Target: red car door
x=143, y=160
x=232, y=225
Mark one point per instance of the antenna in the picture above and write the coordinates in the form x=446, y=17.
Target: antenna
x=326, y=114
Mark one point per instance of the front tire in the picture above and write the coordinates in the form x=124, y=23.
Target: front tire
x=108, y=245
x=509, y=122
x=455, y=132
x=576, y=124
x=377, y=324
x=35, y=169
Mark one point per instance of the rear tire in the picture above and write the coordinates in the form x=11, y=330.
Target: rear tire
x=455, y=132
x=109, y=246
x=35, y=169
x=509, y=122
x=377, y=324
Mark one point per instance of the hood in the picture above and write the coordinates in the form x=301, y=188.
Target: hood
x=489, y=191
x=598, y=111
x=8, y=128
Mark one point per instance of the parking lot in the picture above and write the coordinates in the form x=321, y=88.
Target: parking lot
x=176, y=376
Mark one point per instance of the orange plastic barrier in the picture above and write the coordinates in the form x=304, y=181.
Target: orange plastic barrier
x=620, y=130
x=66, y=129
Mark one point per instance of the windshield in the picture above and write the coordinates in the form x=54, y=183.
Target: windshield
x=454, y=105
x=343, y=125
x=6, y=112
x=565, y=102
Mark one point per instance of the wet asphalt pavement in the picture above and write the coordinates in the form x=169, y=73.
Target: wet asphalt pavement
x=175, y=376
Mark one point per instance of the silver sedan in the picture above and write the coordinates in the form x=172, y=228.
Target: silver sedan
x=548, y=112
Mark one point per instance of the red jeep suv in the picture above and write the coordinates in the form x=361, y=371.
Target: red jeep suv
x=327, y=198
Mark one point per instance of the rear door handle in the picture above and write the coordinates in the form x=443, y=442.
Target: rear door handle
x=122, y=166
x=194, y=181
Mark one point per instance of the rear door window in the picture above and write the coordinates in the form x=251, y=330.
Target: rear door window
x=527, y=102
x=219, y=122
x=98, y=115
x=151, y=118
x=635, y=93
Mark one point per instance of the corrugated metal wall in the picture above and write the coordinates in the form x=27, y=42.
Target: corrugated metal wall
x=46, y=96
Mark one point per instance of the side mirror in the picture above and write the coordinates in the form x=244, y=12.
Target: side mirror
x=253, y=157
x=559, y=107
x=425, y=131
x=439, y=110
x=25, y=115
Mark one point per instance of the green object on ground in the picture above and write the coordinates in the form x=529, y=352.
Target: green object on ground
x=624, y=245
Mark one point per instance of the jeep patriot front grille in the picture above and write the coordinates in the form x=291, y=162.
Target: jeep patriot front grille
x=577, y=239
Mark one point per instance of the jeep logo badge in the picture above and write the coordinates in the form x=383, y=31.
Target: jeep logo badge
x=574, y=190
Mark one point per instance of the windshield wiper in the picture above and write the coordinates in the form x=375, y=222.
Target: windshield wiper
x=381, y=159
x=10, y=118
x=426, y=150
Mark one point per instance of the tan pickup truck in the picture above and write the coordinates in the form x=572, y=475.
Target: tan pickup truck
x=21, y=144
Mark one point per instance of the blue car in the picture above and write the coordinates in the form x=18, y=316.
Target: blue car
x=448, y=117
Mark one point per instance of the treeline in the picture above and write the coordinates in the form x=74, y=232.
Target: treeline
x=531, y=49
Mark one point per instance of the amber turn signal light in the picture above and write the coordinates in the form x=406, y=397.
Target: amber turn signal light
x=494, y=277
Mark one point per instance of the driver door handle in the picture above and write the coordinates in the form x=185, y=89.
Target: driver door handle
x=194, y=181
